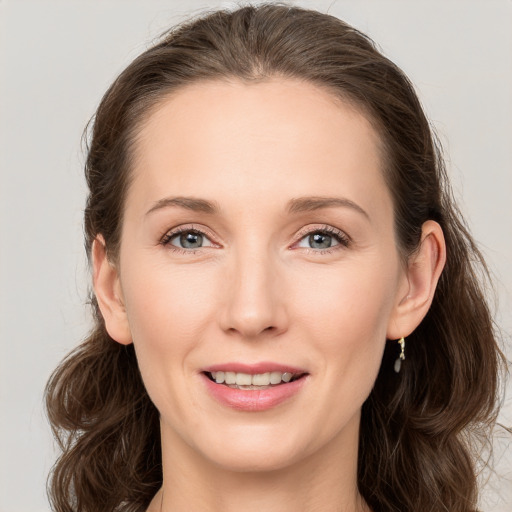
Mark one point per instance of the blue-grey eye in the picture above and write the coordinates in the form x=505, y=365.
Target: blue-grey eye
x=319, y=240
x=190, y=240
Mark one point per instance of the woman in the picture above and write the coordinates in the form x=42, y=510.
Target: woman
x=288, y=309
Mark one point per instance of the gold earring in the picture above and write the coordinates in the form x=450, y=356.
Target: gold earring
x=401, y=357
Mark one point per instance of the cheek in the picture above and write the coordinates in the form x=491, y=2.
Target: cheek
x=345, y=316
x=168, y=312
x=341, y=318
x=346, y=305
x=166, y=305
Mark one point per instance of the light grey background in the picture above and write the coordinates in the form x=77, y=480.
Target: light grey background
x=56, y=60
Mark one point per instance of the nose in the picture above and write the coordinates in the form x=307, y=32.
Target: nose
x=254, y=303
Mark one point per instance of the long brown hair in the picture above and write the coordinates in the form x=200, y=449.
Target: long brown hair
x=417, y=427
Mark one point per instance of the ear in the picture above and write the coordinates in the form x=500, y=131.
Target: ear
x=107, y=288
x=416, y=293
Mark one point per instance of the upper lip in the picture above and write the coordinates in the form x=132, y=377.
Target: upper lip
x=254, y=368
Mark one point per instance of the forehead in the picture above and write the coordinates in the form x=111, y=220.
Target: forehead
x=229, y=101
x=280, y=134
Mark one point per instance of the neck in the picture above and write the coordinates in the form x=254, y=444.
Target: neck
x=324, y=481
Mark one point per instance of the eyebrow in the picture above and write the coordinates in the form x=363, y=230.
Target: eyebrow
x=308, y=204
x=189, y=203
x=298, y=205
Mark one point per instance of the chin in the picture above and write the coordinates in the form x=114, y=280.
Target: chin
x=254, y=461
x=255, y=450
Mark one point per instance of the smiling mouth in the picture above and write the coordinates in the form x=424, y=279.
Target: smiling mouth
x=247, y=381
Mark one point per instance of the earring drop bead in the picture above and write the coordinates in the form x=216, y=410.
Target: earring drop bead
x=398, y=363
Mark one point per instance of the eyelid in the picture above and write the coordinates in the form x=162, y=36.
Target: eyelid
x=343, y=239
x=171, y=233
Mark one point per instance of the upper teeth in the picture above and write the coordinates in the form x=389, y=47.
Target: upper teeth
x=246, y=379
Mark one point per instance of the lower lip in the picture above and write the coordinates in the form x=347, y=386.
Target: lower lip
x=253, y=400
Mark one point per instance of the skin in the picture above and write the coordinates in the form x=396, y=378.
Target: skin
x=259, y=290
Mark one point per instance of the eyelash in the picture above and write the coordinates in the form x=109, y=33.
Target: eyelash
x=166, y=239
x=343, y=240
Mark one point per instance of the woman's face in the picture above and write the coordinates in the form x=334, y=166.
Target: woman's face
x=258, y=240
